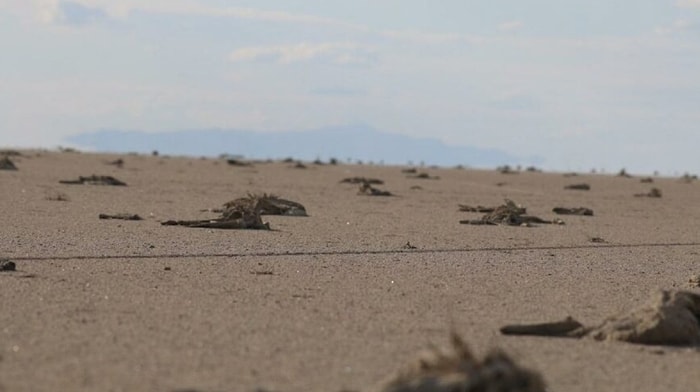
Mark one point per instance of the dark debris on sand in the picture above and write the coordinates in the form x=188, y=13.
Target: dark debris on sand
x=7, y=265
x=238, y=162
x=244, y=219
x=95, y=180
x=123, y=216
x=459, y=370
x=423, y=176
x=573, y=211
x=506, y=169
x=7, y=164
x=362, y=180
x=671, y=318
x=653, y=193
x=245, y=213
x=268, y=204
x=509, y=214
x=368, y=190
x=117, y=162
x=579, y=187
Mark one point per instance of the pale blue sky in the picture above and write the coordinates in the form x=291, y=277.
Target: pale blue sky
x=583, y=84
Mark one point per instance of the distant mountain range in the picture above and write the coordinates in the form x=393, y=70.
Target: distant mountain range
x=354, y=143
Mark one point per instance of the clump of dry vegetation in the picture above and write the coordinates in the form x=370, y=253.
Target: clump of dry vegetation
x=510, y=214
x=368, y=190
x=234, y=218
x=268, y=204
x=95, y=180
x=506, y=169
x=117, y=162
x=573, y=211
x=459, y=370
x=362, y=180
x=245, y=213
x=238, y=162
x=423, y=176
x=7, y=164
x=623, y=173
x=688, y=178
x=671, y=318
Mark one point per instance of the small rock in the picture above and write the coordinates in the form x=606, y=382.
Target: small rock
x=579, y=187
x=653, y=193
x=124, y=216
x=573, y=211
x=408, y=245
x=7, y=265
x=7, y=164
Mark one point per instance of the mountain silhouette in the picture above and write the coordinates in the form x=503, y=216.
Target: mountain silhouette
x=353, y=142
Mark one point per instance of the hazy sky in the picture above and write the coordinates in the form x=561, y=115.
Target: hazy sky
x=595, y=83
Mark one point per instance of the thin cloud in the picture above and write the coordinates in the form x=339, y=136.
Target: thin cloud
x=80, y=11
x=676, y=26
x=339, y=53
x=76, y=14
x=337, y=92
x=428, y=38
x=510, y=26
x=688, y=3
x=123, y=8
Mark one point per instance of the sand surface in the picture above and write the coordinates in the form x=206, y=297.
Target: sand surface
x=329, y=302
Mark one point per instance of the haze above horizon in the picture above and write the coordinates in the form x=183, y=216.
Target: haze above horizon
x=582, y=84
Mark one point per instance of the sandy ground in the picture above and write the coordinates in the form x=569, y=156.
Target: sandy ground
x=329, y=302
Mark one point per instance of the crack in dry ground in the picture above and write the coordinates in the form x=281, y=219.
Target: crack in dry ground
x=351, y=252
